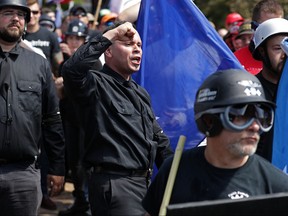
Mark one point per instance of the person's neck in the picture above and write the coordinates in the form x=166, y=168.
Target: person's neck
x=222, y=159
x=7, y=46
x=126, y=76
x=269, y=75
x=33, y=29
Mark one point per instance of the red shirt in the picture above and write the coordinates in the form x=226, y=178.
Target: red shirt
x=246, y=59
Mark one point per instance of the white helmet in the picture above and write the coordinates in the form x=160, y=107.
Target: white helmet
x=266, y=29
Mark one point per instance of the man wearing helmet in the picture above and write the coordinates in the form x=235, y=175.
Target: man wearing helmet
x=263, y=10
x=75, y=36
x=29, y=115
x=267, y=39
x=231, y=110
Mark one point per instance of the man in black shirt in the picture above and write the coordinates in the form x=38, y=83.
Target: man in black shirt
x=29, y=116
x=231, y=110
x=122, y=136
x=267, y=39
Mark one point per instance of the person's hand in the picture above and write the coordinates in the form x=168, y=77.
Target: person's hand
x=123, y=32
x=55, y=184
x=65, y=49
x=59, y=87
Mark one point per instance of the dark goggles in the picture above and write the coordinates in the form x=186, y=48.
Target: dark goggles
x=241, y=116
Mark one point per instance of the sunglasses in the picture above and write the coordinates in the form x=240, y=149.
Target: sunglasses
x=35, y=12
x=79, y=14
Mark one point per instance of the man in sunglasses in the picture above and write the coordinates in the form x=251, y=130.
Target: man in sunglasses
x=232, y=111
x=77, y=12
x=42, y=38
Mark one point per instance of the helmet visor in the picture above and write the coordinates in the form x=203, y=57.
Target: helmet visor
x=240, y=117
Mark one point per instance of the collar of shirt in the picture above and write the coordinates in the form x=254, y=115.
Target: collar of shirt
x=106, y=69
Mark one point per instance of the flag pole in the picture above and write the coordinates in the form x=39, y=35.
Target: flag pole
x=96, y=14
x=172, y=175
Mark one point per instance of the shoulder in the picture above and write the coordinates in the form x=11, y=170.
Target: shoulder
x=264, y=164
x=41, y=34
x=28, y=46
x=33, y=59
x=193, y=156
x=140, y=88
x=241, y=52
x=188, y=156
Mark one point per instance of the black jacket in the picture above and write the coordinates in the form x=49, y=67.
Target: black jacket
x=29, y=109
x=120, y=126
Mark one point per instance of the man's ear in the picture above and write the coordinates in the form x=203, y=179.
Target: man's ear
x=212, y=125
x=108, y=52
x=208, y=121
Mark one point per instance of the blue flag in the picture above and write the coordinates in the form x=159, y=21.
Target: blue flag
x=280, y=145
x=180, y=49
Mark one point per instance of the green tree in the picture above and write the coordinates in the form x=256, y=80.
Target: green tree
x=217, y=10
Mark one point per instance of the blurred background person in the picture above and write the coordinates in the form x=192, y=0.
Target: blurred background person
x=245, y=33
x=75, y=36
x=262, y=11
x=42, y=38
x=233, y=19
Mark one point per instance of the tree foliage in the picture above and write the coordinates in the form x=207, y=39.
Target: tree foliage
x=217, y=10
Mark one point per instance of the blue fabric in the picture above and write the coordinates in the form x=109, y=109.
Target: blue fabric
x=58, y=16
x=180, y=49
x=280, y=146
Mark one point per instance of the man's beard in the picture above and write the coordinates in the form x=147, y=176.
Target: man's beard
x=10, y=36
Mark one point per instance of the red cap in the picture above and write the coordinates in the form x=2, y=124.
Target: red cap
x=247, y=61
x=233, y=17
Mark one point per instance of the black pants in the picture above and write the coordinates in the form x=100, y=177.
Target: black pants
x=20, y=191
x=74, y=140
x=116, y=195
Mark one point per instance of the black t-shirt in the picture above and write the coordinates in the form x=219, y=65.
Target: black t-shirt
x=46, y=41
x=264, y=148
x=197, y=180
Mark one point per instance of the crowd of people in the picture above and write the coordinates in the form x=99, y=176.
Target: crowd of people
x=70, y=111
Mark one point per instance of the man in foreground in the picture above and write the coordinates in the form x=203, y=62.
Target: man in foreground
x=122, y=136
x=231, y=110
x=29, y=115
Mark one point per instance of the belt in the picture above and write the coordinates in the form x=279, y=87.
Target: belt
x=121, y=172
x=3, y=161
x=6, y=161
